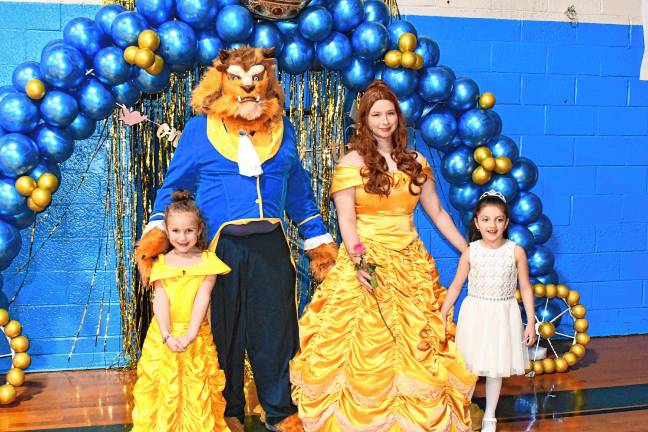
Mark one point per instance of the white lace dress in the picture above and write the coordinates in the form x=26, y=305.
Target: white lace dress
x=489, y=329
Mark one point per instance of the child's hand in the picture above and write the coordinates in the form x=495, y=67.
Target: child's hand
x=174, y=344
x=186, y=340
x=365, y=280
x=529, y=334
x=444, y=318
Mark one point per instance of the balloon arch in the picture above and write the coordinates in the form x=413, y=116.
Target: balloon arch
x=122, y=54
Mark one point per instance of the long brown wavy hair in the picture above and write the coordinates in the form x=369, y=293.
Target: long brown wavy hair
x=376, y=172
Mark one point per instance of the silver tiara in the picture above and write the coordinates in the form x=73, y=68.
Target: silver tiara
x=494, y=193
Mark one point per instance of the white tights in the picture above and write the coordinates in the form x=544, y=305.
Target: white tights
x=493, y=387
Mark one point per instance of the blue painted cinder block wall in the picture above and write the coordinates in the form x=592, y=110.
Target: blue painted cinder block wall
x=569, y=96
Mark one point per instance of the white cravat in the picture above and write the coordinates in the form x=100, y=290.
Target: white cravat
x=248, y=159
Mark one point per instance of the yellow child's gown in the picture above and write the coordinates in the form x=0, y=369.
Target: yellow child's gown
x=180, y=392
x=350, y=375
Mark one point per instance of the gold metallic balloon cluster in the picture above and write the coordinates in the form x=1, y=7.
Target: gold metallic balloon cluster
x=404, y=56
x=487, y=164
x=19, y=345
x=547, y=330
x=38, y=193
x=144, y=55
x=35, y=89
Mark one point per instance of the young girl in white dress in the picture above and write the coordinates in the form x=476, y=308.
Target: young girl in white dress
x=490, y=333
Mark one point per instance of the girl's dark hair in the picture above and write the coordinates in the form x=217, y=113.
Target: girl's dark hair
x=486, y=200
x=183, y=202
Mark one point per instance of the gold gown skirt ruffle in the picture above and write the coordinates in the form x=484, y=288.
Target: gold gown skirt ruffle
x=179, y=392
x=350, y=374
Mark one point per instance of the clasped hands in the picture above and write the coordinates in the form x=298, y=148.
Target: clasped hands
x=180, y=343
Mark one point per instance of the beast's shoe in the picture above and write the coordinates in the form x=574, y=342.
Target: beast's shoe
x=289, y=424
x=234, y=424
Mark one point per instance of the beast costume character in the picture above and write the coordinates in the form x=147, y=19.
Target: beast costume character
x=241, y=160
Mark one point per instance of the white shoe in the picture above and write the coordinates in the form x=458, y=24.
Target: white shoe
x=489, y=424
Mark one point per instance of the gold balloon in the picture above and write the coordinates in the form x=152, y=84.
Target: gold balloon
x=578, y=311
x=549, y=365
x=144, y=58
x=546, y=330
x=4, y=317
x=129, y=54
x=35, y=89
x=21, y=360
x=570, y=358
x=407, y=42
x=539, y=290
x=481, y=176
x=49, y=182
x=33, y=207
x=487, y=100
x=41, y=197
x=488, y=164
x=7, y=394
x=503, y=165
x=16, y=377
x=561, y=365
x=578, y=350
x=573, y=298
x=582, y=338
x=392, y=58
x=13, y=329
x=581, y=325
x=408, y=59
x=25, y=185
x=551, y=291
x=158, y=66
x=562, y=291
x=20, y=344
x=148, y=39
x=538, y=367
x=419, y=62
x=518, y=295
x=482, y=153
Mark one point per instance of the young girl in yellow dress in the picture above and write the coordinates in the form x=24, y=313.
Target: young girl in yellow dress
x=179, y=381
x=374, y=356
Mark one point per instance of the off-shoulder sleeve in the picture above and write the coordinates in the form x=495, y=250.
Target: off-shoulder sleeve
x=211, y=265
x=427, y=169
x=345, y=177
x=161, y=271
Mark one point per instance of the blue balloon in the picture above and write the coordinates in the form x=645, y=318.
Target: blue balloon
x=315, y=23
x=199, y=14
x=222, y=3
x=401, y=81
x=549, y=278
x=85, y=35
x=62, y=65
x=380, y=68
x=22, y=219
x=464, y=94
x=521, y=236
x=467, y=218
x=438, y=129
x=503, y=146
x=110, y=66
x=465, y=197
x=370, y=40
x=18, y=154
x=267, y=35
x=10, y=241
x=151, y=84
x=457, y=167
x=347, y=14
x=95, y=99
x=541, y=261
x=234, y=24
x=450, y=71
x=541, y=229
x=126, y=28
x=475, y=127
x=18, y=113
x=334, y=52
x=358, y=74
x=209, y=45
x=59, y=108
x=12, y=204
x=25, y=72
x=435, y=84
x=127, y=93
x=504, y=184
x=177, y=43
x=396, y=29
x=106, y=15
x=550, y=310
x=525, y=173
x=7, y=89
x=411, y=106
x=45, y=166
x=526, y=208
x=53, y=143
x=429, y=50
x=298, y=54
x=156, y=11
x=376, y=11
x=82, y=127
x=497, y=120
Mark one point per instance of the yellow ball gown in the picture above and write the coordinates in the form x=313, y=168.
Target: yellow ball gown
x=350, y=374
x=180, y=392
